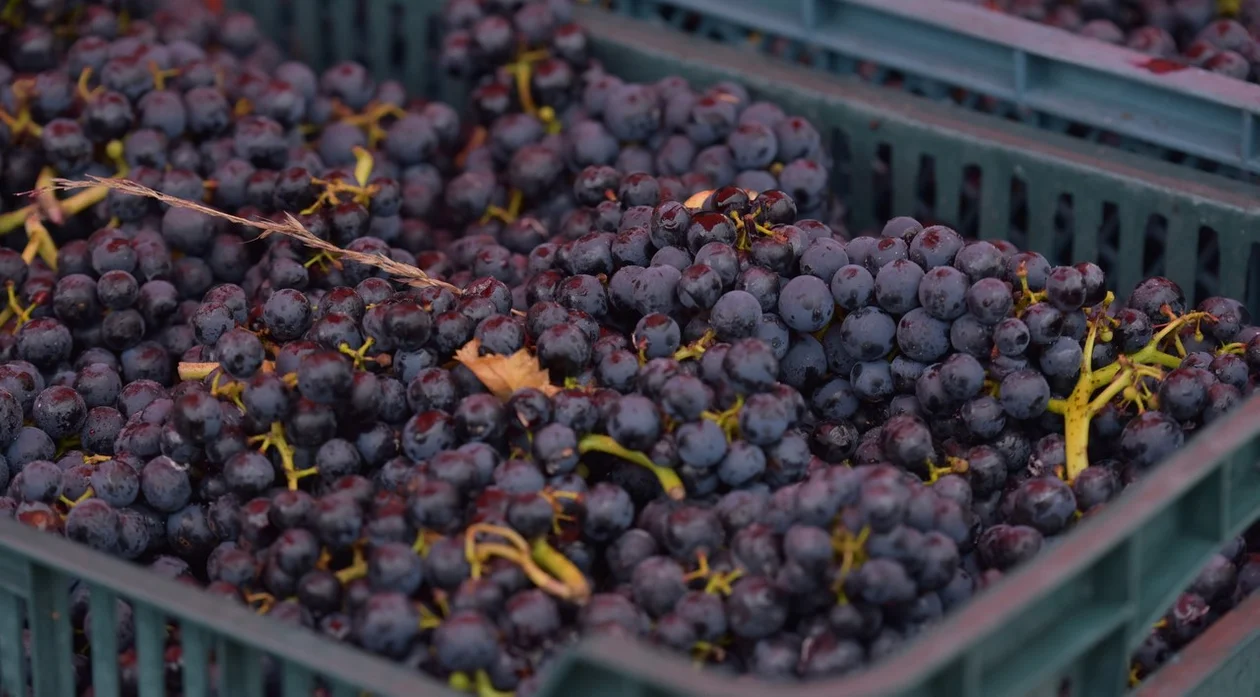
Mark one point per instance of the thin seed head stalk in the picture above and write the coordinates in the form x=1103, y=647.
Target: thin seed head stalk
x=288, y=226
x=45, y=205
x=45, y=202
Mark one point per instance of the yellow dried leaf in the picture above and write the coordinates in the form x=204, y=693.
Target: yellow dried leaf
x=503, y=375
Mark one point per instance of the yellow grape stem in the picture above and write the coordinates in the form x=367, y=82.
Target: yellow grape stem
x=14, y=219
x=1081, y=406
x=275, y=438
x=265, y=602
x=428, y=618
x=485, y=688
x=470, y=543
x=720, y=583
x=1076, y=414
x=1235, y=348
x=460, y=682
x=40, y=243
x=513, y=537
x=668, y=478
x=33, y=238
x=696, y=348
x=552, y=123
x=1081, y=409
x=1150, y=354
x=87, y=494
x=363, y=165
x=358, y=569
x=1122, y=381
x=15, y=309
x=421, y=545
x=559, y=566
x=84, y=200
x=196, y=371
x=358, y=355
x=536, y=574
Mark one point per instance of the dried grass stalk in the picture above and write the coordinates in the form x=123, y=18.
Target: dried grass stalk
x=289, y=227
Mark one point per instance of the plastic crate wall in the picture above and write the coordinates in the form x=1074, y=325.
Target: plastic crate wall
x=1128, y=214
x=983, y=60
x=224, y=649
x=996, y=64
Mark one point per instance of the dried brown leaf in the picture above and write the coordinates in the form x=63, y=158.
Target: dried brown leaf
x=503, y=375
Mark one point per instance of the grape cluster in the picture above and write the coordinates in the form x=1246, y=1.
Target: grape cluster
x=594, y=358
x=1219, y=37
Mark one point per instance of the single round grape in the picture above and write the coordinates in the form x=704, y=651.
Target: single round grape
x=1024, y=394
x=806, y=304
x=868, y=334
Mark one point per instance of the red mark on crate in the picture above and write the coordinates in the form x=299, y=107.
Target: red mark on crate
x=1162, y=66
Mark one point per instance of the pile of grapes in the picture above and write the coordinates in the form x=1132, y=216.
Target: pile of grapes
x=1216, y=35
x=461, y=389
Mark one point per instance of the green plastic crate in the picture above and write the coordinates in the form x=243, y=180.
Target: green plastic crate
x=1224, y=660
x=1135, y=216
x=998, y=63
x=1065, y=624
x=885, y=141
x=36, y=570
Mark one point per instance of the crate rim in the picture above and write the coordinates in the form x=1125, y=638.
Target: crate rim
x=963, y=123
x=183, y=605
x=1035, y=70
x=1209, y=653
x=1024, y=36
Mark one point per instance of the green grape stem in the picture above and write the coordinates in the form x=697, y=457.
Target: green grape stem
x=275, y=438
x=557, y=565
x=546, y=567
x=668, y=478
x=536, y=574
x=1080, y=407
